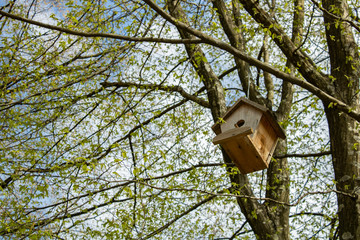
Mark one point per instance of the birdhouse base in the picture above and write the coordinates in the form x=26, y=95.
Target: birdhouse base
x=239, y=146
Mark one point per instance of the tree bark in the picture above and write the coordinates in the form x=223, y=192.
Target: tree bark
x=344, y=131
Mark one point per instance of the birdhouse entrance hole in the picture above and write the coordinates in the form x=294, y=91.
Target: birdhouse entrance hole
x=240, y=123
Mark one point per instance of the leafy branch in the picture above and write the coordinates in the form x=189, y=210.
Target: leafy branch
x=102, y=35
x=178, y=89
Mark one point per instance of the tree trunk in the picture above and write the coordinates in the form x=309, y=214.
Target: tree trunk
x=344, y=131
x=344, y=134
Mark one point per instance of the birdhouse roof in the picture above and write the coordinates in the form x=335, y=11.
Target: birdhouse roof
x=269, y=116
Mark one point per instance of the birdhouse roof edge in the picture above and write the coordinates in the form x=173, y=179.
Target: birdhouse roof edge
x=242, y=101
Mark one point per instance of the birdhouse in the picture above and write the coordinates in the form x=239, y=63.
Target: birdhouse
x=248, y=134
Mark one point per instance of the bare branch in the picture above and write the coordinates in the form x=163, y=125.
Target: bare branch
x=308, y=213
x=222, y=75
x=298, y=155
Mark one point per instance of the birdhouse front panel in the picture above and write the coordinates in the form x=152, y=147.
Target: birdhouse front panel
x=242, y=116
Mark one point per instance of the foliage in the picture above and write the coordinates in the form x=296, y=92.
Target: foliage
x=106, y=120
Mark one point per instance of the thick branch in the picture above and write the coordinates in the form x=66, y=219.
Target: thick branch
x=200, y=63
x=216, y=99
x=222, y=75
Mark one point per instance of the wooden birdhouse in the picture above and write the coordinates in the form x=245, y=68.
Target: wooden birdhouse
x=249, y=135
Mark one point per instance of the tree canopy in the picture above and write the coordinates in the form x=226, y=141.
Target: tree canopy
x=107, y=107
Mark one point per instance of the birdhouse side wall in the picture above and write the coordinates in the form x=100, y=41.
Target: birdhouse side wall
x=265, y=139
x=249, y=114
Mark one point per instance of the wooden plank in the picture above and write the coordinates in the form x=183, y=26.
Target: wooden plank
x=259, y=162
x=244, y=154
x=264, y=138
x=271, y=152
x=234, y=150
x=232, y=134
x=278, y=129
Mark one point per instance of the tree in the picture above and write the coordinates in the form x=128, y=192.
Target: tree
x=107, y=108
